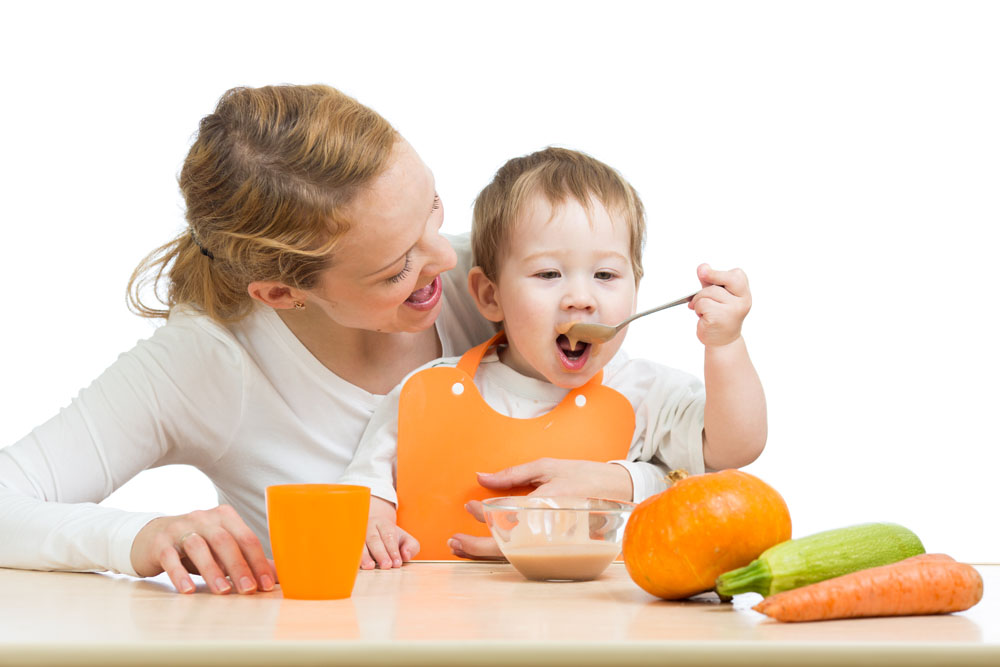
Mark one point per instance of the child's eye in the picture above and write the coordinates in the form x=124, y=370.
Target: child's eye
x=402, y=274
x=604, y=275
x=437, y=202
x=547, y=275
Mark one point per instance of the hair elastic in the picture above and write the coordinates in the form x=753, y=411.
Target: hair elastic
x=204, y=251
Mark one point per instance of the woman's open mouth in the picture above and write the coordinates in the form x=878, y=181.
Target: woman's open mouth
x=573, y=358
x=426, y=297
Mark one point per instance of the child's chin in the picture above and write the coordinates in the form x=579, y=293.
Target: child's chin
x=571, y=380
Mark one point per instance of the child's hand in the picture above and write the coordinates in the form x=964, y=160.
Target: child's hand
x=386, y=544
x=721, y=305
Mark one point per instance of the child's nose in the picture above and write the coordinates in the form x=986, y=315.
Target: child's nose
x=578, y=298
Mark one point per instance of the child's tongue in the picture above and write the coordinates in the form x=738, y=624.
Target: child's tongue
x=563, y=343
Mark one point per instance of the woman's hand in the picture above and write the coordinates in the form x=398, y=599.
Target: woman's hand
x=563, y=477
x=471, y=546
x=550, y=477
x=214, y=543
x=386, y=544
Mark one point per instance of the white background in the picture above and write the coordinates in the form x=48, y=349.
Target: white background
x=846, y=155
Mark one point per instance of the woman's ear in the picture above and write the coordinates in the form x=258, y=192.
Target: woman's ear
x=486, y=295
x=276, y=295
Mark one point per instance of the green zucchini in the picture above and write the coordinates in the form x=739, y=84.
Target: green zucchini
x=825, y=555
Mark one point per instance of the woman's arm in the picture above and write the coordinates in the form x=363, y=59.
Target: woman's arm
x=175, y=398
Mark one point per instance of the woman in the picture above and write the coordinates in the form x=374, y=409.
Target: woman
x=311, y=280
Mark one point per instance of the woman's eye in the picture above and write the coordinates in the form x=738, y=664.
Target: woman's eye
x=402, y=274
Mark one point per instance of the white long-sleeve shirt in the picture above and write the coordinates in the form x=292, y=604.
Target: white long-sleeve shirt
x=247, y=404
x=669, y=418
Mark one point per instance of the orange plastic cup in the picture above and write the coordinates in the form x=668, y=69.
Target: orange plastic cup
x=317, y=533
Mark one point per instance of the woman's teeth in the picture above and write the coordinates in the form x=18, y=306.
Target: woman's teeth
x=421, y=294
x=424, y=293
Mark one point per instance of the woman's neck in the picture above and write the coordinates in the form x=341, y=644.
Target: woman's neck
x=371, y=360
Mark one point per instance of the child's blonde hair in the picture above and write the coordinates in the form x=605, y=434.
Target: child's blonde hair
x=557, y=174
x=265, y=183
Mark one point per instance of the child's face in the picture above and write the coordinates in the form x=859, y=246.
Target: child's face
x=563, y=266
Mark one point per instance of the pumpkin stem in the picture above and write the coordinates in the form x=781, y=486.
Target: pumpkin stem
x=675, y=476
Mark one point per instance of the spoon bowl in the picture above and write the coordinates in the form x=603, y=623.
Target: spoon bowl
x=592, y=332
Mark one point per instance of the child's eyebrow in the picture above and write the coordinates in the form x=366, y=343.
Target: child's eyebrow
x=541, y=254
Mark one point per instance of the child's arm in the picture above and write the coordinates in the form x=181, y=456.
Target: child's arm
x=386, y=545
x=735, y=410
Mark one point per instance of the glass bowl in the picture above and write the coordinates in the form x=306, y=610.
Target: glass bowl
x=558, y=538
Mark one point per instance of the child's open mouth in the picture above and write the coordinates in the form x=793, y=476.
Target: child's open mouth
x=572, y=358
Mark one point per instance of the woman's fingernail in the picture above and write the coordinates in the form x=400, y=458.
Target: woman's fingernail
x=247, y=585
x=452, y=544
x=222, y=586
x=266, y=583
x=187, y=586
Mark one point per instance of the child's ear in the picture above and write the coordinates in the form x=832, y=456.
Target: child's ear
x=485, y=294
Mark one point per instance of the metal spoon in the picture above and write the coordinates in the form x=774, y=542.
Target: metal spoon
x=591, y=332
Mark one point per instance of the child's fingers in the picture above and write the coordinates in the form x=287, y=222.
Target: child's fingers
x=390, y=539
x=712, y=293
x=704, y=274
x=376, y=549
x=734, y=280
x=366, y=560
x=408, y=546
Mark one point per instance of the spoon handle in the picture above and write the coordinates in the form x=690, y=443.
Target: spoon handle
x=658, y=308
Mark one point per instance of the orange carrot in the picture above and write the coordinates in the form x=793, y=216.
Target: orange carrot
x=924, y=584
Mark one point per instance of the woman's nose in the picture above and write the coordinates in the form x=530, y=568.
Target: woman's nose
x=441, y=256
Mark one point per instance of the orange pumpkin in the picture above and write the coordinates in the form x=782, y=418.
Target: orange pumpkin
x=679, y=541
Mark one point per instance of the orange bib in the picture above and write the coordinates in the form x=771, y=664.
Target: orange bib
x=447, y=433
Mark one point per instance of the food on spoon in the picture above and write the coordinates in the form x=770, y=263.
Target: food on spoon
x=679, y=541
x=578, y=335
x=924, y=584
x=564, y=327
x=824, y=555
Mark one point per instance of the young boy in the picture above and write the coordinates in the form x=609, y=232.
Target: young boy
x=557, y=238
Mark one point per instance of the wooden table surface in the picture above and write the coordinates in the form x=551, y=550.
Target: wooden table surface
x=437, y=613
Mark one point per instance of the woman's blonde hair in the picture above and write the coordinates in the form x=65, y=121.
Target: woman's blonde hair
x=557, y=174
x=263, y=184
